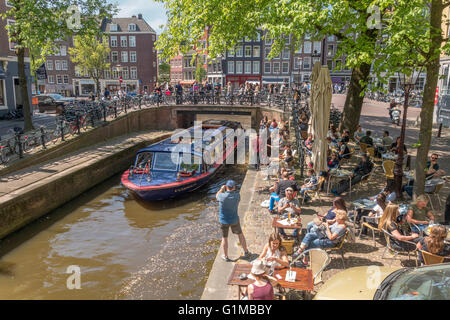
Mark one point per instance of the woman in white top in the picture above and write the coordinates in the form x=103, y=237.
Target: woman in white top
x=273, y=253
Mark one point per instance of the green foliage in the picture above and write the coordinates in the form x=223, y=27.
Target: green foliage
x=200, y=73
x=164, y=73
x=91, y=55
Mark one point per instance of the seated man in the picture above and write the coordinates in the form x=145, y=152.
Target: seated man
x=346, y=136
x=367, y=139
x=289, y=205
x=358, y=134
x=433, y=167
x=344, y=151
x=362, y=169
x=311, y=185
x=419, y=216
x=278, y=190
x=333, y=162
x=387, y=140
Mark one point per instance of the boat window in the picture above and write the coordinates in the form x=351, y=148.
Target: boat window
x=163, y=161
x=143, y=159
x=194, y=164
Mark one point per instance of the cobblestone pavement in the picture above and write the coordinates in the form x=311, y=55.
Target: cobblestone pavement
x=362, y=252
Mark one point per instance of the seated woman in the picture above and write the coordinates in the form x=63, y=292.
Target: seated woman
x=394, y=223
x=326, y=237
x=396, y=146
x=435, y=243
x=274, y=253
x=419, y=214
x=330, y=217
x=376, y=211
x=311, y=185
x=333, y=163
x=261, y=289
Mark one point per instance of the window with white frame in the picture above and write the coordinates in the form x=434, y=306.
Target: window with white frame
x=248, y=67
x=64, y=64
x=50, y=65
x=287, y=39
x=276, y=67
x=113, y=41
x=267, y=67
x=113, y=27
x=66, y=79
x=297, y=63
x=285, y=67
x=267, y=40
x=330, y=50
x=123, y=41
x=51, y=79
x=330, y=38
x=255, y=67
x=132, y=41
x=77, y=71
x=239, y=67
x=307, y=47
x=59, y=79
x=12, y=45
x=230, y=53
x=256, y=51
x=306, y=63
x=239, y=51
x=230, y=67
x=286, y=53
x=317, y=46
x=133, y=73
x=133, y=56
x=107, y=74
x=131, y=27
x=58, y=65
x=298, y=49
x=248, y=51
x=114, y=56
x=125, y=74
x=124, y=56
x=258, y=37
x=266, y=52
x=63, y=50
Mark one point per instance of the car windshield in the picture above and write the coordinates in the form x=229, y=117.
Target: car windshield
x=56, y=96
x=427, y=283
x=165, y=161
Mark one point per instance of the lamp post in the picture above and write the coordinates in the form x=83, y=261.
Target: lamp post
x=407, y=82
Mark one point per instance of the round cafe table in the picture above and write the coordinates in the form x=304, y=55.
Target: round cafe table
x=339, y=174
x=389, y=156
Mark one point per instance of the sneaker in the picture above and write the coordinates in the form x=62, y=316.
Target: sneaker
x=225, y=258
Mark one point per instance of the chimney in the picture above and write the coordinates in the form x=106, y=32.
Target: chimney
x=133, y=16
x=140, y=16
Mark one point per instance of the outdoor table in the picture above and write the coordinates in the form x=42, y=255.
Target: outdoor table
x=389, y=156
x=427, y=230
x=409, y=175
x=339, y=174
x=294, y=225
x=378, y=142
x=364, y=204
x=303, y=278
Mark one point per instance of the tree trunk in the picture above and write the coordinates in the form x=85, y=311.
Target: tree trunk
x=97, y=83
x=28, y=123
x=426, y=115
x=354, y=100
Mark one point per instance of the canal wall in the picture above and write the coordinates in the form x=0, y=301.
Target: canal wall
x=31, y=193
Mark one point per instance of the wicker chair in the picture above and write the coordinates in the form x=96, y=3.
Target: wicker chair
x=429, y=258
x=370, y=227
x=363, y=147
x=388, y=168
x=339, y=248
x=318, y=261
x=316, y=189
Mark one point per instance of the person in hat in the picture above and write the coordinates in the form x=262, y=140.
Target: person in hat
x=229, y=199
x=261, y=289
x=289, y=205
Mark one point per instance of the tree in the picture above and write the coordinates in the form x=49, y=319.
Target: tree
x=164, y=73
x=91, y=55
x=40, y=23
x=200, y=73
x=229, y=21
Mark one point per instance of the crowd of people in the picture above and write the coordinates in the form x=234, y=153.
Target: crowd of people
x=406, y=229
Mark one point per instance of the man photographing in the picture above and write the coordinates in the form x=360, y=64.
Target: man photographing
x=229, y=199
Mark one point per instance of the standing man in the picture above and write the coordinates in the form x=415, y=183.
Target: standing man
x=228, y=217
x=179, y=92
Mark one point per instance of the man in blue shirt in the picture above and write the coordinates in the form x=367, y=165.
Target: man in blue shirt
x=228, y=216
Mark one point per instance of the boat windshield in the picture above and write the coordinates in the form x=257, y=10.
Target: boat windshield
x=165, y=161
x=144, y=160
x=189, y=165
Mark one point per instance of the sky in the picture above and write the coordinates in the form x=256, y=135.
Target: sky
x=154, y=13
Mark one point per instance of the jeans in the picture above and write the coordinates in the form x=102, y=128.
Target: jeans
x=273, y=197
x=312, y=240
x=311, y=227
x=303, y=194
x=420, y=226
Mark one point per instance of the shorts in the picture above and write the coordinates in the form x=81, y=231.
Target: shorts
x=235, y=228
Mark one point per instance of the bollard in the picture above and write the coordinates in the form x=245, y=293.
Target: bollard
x=77, y=119
x=19, y=141
x=440, y=130
x=62, y=130
x=125, y=105
x=104, y=113
x=43, y=137
x=115, y=111
x=92, y=118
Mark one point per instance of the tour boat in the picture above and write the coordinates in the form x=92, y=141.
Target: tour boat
x=182, y=163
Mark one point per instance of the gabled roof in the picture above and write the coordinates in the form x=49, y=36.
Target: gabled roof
x=122, y=25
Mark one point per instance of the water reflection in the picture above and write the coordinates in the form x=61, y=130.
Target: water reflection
x=126, y=248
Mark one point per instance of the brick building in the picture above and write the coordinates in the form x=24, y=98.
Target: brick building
x=10, y=93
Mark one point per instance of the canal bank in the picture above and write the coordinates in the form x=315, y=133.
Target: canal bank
x=35, y=191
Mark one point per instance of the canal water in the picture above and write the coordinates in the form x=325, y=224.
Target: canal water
x=124, y=248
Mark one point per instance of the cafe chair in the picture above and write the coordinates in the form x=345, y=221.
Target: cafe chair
x=396, y=252
x=318, y=261
x=435, y=193
x=363, y=147
x=315, y=192
x=370, y=227
x=339, y=248
x=430, y=258
x=388, y=168
x=376, y=161
x=365, y=179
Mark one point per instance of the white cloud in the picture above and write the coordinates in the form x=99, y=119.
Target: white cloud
x=153, y=13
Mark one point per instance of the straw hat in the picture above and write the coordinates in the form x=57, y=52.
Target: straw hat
x=258, y=267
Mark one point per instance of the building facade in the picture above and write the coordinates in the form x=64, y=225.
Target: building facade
x=10, y=92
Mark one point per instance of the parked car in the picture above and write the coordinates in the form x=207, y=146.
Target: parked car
x=53, y=102
x=385, y=283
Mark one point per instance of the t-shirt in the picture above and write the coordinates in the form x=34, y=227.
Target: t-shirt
x=345, y=151
x=336, y=228
x=283, y=185
x=228, y=207
x=387, y=141
x=285, y=201
x=358, y=134
x=435, y=167
x=367, y=140
x=419, y=214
